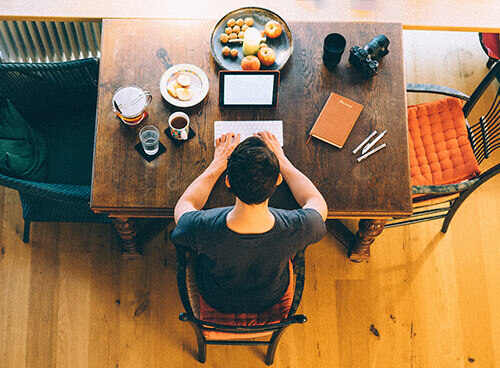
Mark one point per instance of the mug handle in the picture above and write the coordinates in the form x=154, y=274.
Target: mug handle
x=149, y=97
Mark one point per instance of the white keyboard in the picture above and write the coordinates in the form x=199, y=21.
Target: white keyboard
x=248, y=128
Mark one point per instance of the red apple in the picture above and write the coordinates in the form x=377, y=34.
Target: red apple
x=266, y=56
x=250, y=62
x=273, y=29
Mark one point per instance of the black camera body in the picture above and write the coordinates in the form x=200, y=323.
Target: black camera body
x=366, y=59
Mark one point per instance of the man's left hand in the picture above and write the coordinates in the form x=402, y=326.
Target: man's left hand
x=224, y=146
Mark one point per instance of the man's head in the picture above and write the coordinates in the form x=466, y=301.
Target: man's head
x=253, y=171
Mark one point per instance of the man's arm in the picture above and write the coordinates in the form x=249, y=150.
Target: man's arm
x=303, y=190
x=196, y=194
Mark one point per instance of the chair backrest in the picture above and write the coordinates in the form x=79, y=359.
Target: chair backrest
x=38, y=89
x=484, y=135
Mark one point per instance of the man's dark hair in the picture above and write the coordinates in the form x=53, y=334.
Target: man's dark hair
x=252, y=170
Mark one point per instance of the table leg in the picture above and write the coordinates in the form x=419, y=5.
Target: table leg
x=126, y=229
x=368, y=231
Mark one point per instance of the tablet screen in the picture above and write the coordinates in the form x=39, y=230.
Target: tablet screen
x=249, y=89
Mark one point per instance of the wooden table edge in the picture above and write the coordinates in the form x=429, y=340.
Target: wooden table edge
x=169, y=212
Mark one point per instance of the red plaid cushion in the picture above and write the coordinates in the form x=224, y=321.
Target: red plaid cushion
x=275, y=314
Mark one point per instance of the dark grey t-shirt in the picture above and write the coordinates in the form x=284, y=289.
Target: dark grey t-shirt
x=245, y=272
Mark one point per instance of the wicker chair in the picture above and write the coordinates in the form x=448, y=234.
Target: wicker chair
x=442, y=201
x=59, y=101
x=230, y=334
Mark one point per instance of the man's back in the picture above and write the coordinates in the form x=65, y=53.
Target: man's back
x=245, y=272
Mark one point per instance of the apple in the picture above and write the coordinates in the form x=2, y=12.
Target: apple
x=250, y=62
x=266, y=55
x=273, y=29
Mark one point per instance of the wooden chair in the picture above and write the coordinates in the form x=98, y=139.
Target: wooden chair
x=481, y=138
x=233, y=334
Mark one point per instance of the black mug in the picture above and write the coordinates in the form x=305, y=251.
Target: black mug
x=333, y=47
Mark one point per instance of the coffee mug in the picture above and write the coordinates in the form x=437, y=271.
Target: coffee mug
x=178, y=124
x=333, y=47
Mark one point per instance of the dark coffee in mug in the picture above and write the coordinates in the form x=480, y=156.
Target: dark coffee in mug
x=178, y=126
x=179, y=122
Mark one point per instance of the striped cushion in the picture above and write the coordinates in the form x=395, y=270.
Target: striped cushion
x=440, y=152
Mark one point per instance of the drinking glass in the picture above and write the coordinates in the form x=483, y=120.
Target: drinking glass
x=150, y=139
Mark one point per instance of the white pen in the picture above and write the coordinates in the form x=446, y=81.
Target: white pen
x=371, y=152
x=371, y=144
x=364, y=142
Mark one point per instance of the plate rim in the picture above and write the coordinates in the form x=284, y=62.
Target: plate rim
x=212, y=51
x=205, y=85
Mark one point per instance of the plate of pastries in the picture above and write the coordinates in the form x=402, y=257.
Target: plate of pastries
x=251, y=39
x=184, y=85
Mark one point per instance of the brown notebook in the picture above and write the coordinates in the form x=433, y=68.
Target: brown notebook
x=336, y=119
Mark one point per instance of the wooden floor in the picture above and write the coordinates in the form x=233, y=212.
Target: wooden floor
x=68, y=299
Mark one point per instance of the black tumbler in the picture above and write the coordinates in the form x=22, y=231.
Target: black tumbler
x=333, y=47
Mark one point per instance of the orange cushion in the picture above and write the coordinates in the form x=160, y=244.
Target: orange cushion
x=440, y=152
x=274, y=314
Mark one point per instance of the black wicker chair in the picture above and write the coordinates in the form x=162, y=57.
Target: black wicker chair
x=185, y=276
x=58, y=100
x=433, y=202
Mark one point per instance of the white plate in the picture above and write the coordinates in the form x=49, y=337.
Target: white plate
x=200, y=85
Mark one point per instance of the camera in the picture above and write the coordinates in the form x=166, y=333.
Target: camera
x=366, y=59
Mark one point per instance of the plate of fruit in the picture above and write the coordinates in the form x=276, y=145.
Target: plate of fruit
x=251, y=39
x=184, y=85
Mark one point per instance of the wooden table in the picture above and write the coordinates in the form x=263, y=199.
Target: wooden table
x=126, y=186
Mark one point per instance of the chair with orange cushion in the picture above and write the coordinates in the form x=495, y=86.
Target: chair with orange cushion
x=215, y=328
x=446, y=149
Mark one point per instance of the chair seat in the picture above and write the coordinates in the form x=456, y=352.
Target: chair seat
x=45, y=210
x=71, y=143
x=440, y=152
x=274, y=314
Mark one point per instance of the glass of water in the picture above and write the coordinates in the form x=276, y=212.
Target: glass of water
x=150, y=139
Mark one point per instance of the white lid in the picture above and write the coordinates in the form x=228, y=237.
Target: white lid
x=131, y=101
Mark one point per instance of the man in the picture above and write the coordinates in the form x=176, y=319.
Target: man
x=243, y=251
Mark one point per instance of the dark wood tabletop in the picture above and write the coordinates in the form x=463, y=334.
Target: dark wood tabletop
x=124, y=184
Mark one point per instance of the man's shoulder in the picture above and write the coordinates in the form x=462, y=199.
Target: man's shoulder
x=203, y=217
x=300, y=215
x=301, y=221
x=193, y=224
